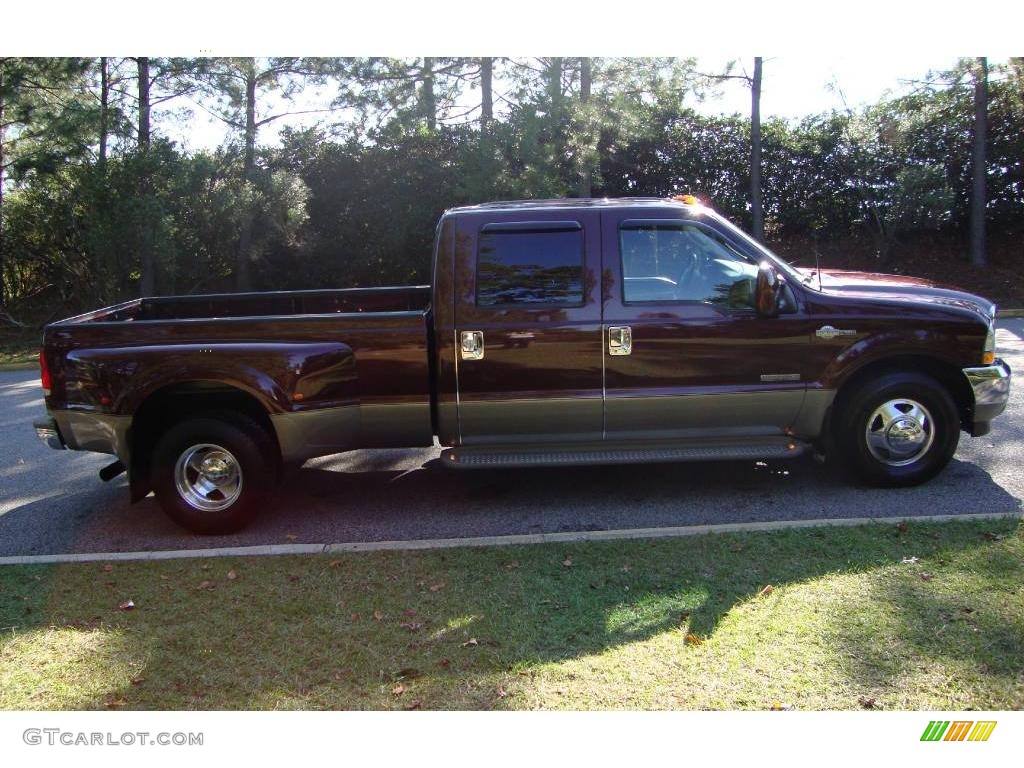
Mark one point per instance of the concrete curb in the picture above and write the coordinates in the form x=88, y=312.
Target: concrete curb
x=491, y=541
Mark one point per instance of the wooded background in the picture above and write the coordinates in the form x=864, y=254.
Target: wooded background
x=98, y=205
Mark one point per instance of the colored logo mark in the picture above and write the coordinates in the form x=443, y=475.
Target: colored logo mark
x=958, y=730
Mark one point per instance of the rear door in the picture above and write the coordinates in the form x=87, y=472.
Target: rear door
x=699, y=361
x=528, y=326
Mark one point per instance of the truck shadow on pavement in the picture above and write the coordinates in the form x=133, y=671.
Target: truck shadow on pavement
x=366, y=501
x=381, y=496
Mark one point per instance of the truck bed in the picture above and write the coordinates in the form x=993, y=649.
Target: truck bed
x=264, y=304
x=333, y=369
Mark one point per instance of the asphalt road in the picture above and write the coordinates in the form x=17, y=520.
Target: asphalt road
x=53, y=502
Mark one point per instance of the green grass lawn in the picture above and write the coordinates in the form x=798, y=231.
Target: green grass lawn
x=852, y=621
x=18, y=352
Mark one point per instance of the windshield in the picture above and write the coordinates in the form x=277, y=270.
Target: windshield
x=759, y=251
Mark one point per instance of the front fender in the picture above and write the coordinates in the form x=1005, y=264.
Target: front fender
x=947, y=348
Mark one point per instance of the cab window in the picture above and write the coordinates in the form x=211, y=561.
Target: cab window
x=527, y=265
x=683, y=263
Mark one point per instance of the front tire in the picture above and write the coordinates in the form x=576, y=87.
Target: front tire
x=213, y=473
x=900, y=429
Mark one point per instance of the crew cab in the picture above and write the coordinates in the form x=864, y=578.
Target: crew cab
x=554, y=332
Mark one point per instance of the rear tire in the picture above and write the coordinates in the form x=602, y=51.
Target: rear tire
x=900, y=429
x=213, y=473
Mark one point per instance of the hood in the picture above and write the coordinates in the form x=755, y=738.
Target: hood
x=871, y=285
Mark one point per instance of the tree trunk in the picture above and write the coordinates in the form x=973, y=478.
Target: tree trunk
x=486, y=99
x=756, y=213
x=144, y=84
x=147, y=267
x=555, y=87
x=586, y=174
x=243, y=280
x=978, y=254
x=104, y=110
x=428, y=105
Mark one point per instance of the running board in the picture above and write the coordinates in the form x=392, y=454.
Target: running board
x=558, y=456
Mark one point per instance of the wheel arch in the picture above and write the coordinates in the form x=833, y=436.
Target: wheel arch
x=947, y=374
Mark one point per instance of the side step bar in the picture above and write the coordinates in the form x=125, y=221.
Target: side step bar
x=556, y=456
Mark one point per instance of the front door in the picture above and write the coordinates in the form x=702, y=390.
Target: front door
x=700, y=362
x=528, y=326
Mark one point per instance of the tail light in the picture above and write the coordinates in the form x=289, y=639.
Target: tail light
x=44, y=373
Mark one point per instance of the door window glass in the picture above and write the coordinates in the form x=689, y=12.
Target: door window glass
x=684, y=263
x=524, y=267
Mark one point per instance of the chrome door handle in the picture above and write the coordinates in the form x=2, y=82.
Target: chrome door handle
x=620, y=340
x=471, y=345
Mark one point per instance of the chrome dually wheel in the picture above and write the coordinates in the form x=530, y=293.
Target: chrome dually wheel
x=213, y=472
x=899, y=432
x=208, y=477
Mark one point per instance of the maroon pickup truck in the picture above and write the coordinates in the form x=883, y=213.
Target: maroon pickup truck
x=554, y=332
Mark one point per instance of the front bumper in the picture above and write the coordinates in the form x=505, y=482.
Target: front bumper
x=991, y=387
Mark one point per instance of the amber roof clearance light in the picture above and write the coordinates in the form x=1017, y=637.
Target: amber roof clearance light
x=687, y=199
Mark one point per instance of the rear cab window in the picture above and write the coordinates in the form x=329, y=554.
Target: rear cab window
x=530, y=264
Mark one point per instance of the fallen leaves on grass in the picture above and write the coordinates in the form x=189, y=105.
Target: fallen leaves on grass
x=108, y=568
x=778, y=706
x=692, y=639
x=207, y=585
x=412, y=626
x=511, y=565
x=398, y=690
x=902, y=527
x=925, y=576
x=232, y=575
x=414, y=704
x=137, y=680
x=334, y=564
x=378, y=615
x=567, y=562
x=868, y=702
x=910, y=560
x=471, y=642
x=993, y=536
x=127, y=605
x=436, y=587
x=768, y=589
x=115, y=703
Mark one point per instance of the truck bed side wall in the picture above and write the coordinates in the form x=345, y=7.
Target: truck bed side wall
x=327, y=382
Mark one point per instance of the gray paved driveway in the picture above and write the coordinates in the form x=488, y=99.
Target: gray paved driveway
x=53, y=502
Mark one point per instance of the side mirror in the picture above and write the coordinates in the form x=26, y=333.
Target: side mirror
x=770, y=285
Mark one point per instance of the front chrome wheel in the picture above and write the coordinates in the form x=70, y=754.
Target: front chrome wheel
x=208, y=477
x=899, y=432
